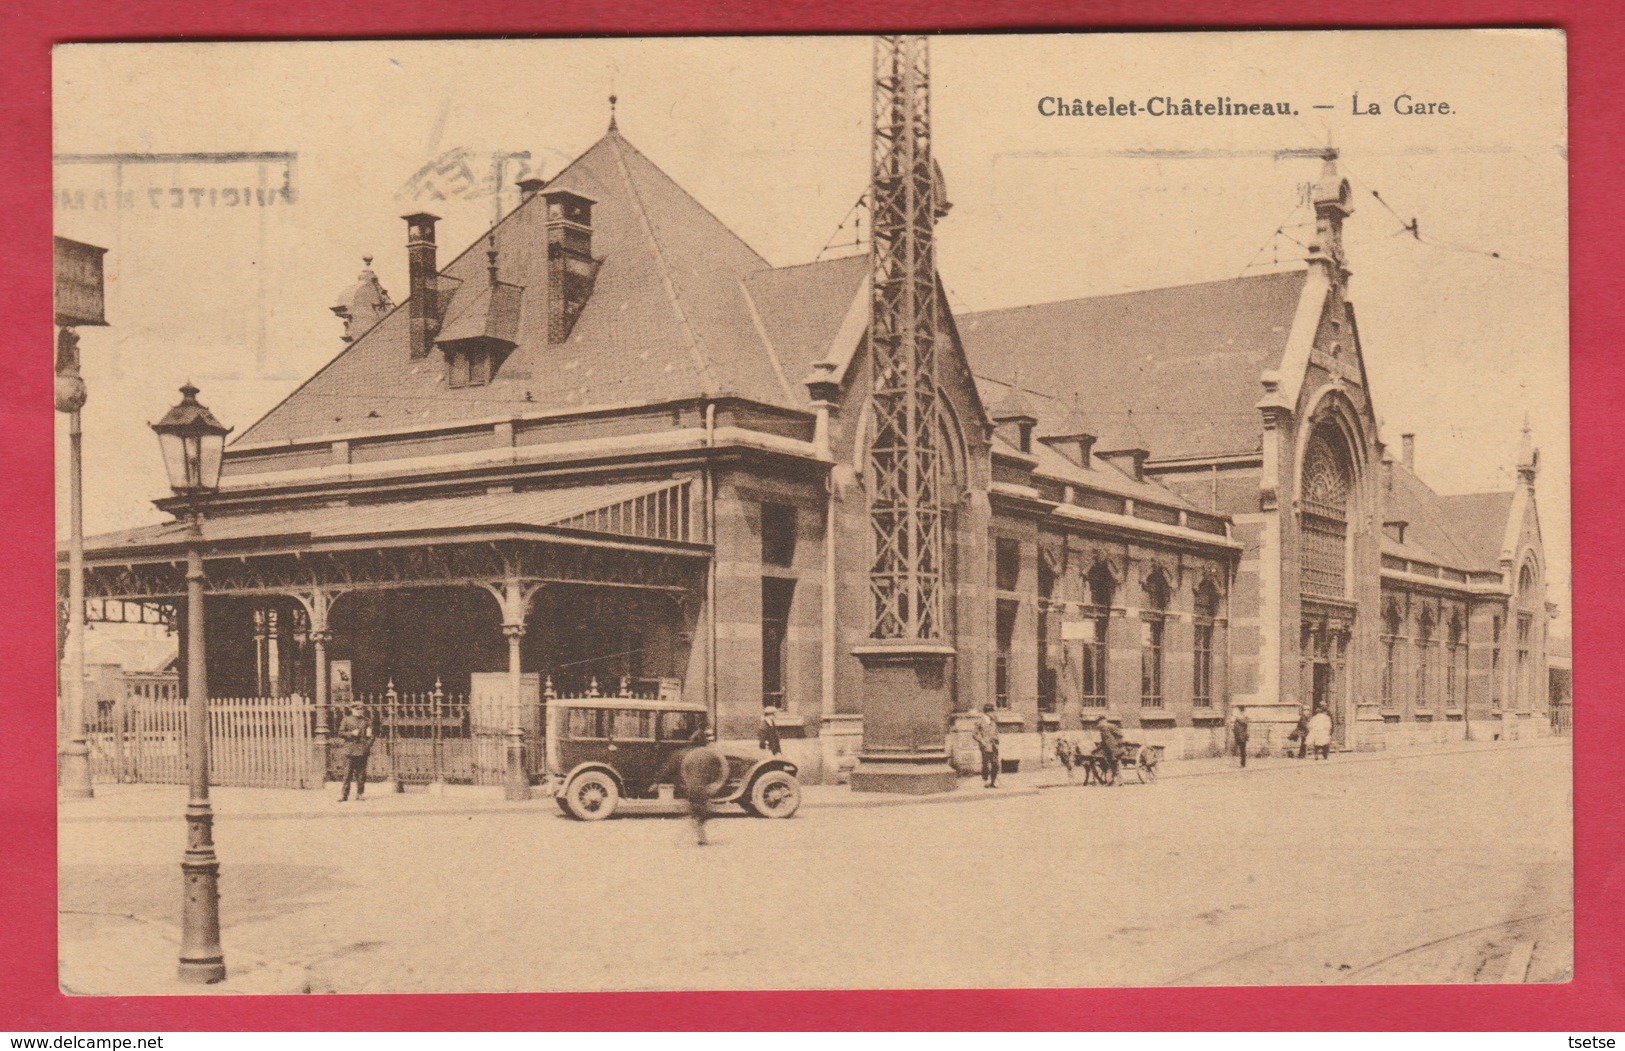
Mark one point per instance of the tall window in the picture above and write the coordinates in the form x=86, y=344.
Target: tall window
x=1495, y=661
x=1206, y=612
x=1006, y=564
x=1390, y=640
x=776, y=596
x=1527, y=685
x=1325, y=513
x=1096, y=617
x=778, y=535
x=1424, y=657
x=1006, y=638
x=1152, y=623
x=1046, y=623
x=1458, y=660
x=1523, y=697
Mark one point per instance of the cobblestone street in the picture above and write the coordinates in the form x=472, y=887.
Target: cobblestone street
x=1388, y=869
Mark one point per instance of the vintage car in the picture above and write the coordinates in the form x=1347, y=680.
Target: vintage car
x=601, y=750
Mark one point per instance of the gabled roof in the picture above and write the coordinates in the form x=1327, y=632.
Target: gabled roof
x=1181, y=364
x=1460, y=532
x=801, y=309
x=668, y=318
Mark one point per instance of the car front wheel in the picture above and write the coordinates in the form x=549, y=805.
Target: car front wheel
x=591, y=796
x=775, y=794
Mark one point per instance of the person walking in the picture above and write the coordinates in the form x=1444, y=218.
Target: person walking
x=356, y=733
x=1320, y=733
x=701, y=774
x=767, y=737
x=1300, y=733
x=986, y=736
x=1239, y=730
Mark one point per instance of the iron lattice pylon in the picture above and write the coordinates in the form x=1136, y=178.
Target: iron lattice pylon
x=905, y=510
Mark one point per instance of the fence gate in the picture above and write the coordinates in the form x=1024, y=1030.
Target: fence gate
x=260, y=742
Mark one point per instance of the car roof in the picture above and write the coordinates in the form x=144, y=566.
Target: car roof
x=643, y=704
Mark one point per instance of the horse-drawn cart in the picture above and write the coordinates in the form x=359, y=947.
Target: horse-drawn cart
x=1140, y=759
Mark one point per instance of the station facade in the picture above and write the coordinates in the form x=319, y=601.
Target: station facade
x=608, y=447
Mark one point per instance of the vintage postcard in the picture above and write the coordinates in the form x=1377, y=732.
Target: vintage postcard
x=813, y=513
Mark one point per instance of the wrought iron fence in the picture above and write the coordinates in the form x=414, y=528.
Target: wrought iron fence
x=422, y=738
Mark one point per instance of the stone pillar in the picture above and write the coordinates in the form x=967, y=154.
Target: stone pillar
x=907, y=702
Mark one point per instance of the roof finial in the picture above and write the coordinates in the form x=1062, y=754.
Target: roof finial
x=612, y=101
x=366, y=261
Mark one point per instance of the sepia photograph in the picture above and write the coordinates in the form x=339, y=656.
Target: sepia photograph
x=813, y=513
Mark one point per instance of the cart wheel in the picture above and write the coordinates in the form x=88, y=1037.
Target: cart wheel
x=1148, y=769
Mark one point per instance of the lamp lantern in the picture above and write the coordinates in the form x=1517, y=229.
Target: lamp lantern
x=193, y=443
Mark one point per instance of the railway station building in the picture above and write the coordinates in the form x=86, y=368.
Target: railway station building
x=608, y=447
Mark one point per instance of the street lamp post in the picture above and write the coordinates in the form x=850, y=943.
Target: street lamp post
x=193, y=443
x=79, y=300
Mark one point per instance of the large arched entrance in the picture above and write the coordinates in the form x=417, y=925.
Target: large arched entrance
x=1328, y=504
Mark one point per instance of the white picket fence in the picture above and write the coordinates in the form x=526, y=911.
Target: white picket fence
x=261, y=742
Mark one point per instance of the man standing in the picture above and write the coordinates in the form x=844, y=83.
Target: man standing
x=1239, y=730
x=356, y=733
x=986, y=736
x=1110, y=748
x=701, y=774
x=767, y=738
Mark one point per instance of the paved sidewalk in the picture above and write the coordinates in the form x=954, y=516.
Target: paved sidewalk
x=136, y=803
x=106, y=954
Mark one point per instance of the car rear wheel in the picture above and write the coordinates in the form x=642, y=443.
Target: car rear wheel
x=775, y=794
x=591, y=796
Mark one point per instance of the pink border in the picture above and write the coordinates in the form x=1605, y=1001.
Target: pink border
x=1594, y=1001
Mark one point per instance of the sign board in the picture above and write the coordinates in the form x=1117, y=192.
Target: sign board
x=340, y=690
x=79, y=290
x=1078, y=630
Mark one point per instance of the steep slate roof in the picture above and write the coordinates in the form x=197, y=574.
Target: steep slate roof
x=1461, y=532
x=801, y=309
x=668, y=318
x=1480, y=522
x=1185, y=361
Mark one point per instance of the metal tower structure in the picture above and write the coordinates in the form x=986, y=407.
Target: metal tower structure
x=905, y=508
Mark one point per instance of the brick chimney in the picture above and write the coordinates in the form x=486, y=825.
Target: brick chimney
x=570, y=266
x=1407, y=444
x=423, y=308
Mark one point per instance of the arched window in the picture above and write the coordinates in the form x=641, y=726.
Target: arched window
x=1524, y=687
x=1096, y=617
x=1456, y=669
x=1206, y=612
x=1425, y=649
x=1324, y=518
x=1153, y=621
x=1391, y=623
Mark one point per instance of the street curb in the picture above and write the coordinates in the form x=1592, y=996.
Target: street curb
x=1277, y=764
